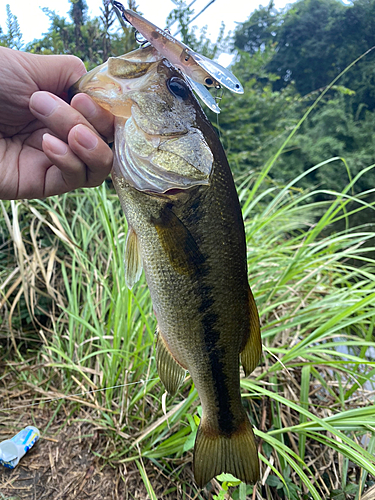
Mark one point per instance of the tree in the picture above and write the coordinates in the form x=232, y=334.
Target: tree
x=259, y=31
x=78, y=15
x=343, y=125
x=107, y=18
x=255, y=123
x=332, y=131
x=316, y=40
x=307, y=45
x=90, y=39
x=13, y=38
x=2, y=38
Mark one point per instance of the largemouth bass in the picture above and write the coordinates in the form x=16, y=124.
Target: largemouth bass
x=186, y=230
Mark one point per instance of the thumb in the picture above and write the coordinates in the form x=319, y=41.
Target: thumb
x=56, y=73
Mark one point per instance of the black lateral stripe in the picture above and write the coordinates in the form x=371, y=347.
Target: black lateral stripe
x=211, y=333
x=216, y=356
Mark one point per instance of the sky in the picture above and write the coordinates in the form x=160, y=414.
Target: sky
x=33, y=22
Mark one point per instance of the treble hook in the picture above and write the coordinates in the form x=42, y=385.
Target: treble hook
x=218, y=97
x=140, y=39
x=120, y=11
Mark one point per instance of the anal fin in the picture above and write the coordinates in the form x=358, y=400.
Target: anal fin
x=252, y=351
x=236, y=454
x=171, y=373
x=133, y=262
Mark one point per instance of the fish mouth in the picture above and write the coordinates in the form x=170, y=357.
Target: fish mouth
x=158, y=148
x=175, y=191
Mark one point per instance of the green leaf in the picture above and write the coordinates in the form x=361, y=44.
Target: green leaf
x=274, y=481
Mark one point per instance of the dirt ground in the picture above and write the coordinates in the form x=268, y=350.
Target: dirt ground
x=63, y=465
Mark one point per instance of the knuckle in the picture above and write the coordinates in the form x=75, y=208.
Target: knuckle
x=76, y=64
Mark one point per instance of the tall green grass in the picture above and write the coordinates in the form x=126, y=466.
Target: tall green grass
x=66, y=314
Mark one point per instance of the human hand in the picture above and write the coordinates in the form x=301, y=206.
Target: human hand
x=46, y=146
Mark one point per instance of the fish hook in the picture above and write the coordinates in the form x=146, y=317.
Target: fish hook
x=218, y=97
x=140, y=39
x=120, y=11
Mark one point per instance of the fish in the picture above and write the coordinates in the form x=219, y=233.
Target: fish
x=185, y=229
x=199, y=71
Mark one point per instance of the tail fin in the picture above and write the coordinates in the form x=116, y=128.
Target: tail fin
x=236, y=454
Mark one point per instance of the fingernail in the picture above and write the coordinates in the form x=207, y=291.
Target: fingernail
x=85, y=137
x=43, y=103
x=56, y=146
x=87, y=106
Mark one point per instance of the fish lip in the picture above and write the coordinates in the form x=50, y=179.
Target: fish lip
x=175, y=191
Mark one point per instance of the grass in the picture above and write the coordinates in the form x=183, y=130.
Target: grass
x=70, y=322
x=69, y=319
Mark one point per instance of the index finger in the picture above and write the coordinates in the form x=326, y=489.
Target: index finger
x=102, y=119
x=58, y=116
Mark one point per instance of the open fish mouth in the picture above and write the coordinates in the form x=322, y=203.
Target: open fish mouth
x=158, y=147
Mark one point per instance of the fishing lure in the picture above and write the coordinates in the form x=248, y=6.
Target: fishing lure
x=199, y=71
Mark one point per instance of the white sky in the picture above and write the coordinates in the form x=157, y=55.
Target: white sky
x=33, y=22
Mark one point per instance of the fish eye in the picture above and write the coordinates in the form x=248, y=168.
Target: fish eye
x=178, y=87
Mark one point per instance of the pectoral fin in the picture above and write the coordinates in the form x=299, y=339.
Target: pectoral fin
x=133, y=262
x=253, y=348
x=178, y=243
x=170, y=371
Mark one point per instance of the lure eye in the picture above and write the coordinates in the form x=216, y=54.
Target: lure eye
x=178, y=87
x=208, y=81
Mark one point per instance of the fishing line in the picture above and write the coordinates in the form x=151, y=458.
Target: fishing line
x=218, y=130
x=75, y=395
x=175, y=20
x=219, y=98
x=190, y=4
x=199, y=13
